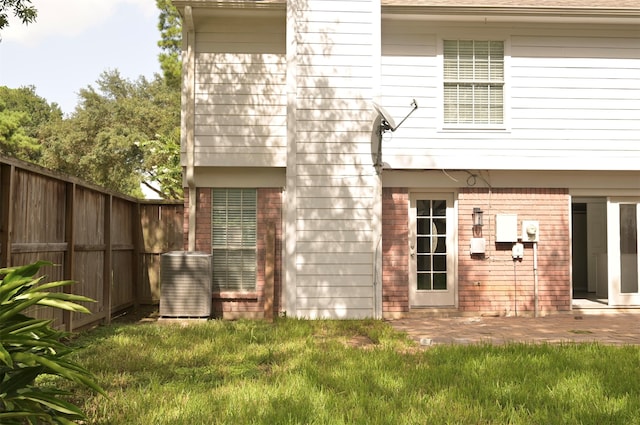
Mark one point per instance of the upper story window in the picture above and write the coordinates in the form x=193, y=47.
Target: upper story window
x=473, y=82
x=234, y=239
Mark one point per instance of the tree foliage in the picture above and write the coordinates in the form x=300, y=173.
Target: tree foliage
x=22, y=116
x=113, y=137
x=122, y=134
x=170, y=26
x=22, y=9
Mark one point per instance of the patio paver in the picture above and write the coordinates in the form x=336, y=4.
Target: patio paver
x=618, y=329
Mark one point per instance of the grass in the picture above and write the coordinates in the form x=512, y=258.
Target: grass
x=347, y=372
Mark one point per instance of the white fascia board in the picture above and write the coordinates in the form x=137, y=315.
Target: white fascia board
x=505, y=14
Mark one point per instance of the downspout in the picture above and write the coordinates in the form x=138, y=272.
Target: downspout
x=535, y=280
x=188, y=71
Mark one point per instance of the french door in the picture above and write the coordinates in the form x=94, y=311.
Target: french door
x=623, y=245
x=432, y=230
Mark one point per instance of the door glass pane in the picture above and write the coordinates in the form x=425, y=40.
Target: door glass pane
x=422, y=208
x=440, y=263
x=440, y=281
x=628, y=248
x=431, y=261
x=439, y=208
x=424, y=244
x=424, y=263
x=424, y=226
x=424, y=281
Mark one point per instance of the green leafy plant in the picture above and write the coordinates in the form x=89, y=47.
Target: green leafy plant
x=31, y=348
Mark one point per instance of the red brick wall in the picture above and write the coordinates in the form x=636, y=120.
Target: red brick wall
x=232, y=304
x=203, y=220
x=395, y=251
x=493, y=282
x=270, y=213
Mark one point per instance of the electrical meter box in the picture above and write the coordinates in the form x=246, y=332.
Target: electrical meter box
x=506, y=228
x=530, y=230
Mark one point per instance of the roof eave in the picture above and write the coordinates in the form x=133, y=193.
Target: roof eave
x=514, y=13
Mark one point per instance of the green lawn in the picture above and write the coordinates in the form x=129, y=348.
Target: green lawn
x=347, y=372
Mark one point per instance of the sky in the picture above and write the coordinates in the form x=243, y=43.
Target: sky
x=73, y=41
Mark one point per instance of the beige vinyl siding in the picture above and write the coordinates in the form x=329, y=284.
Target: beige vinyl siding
x=572, y=98
x=335, y=179
x=240, y=92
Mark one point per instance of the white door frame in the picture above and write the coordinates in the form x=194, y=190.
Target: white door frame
x=434, y=299
x=616, y=296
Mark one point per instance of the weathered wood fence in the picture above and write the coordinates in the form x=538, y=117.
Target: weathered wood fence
x=107, y=242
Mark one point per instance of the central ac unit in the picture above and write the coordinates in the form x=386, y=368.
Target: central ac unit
x=185, y=284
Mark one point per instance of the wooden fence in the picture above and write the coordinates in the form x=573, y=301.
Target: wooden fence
x=110, y=244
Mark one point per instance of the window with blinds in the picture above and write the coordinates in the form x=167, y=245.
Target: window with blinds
x=473, y=82
x=234, y=239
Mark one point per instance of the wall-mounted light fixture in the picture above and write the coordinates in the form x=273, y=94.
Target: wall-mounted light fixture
x=478, y=217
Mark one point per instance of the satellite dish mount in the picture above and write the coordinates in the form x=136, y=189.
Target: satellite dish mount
x=387, y=122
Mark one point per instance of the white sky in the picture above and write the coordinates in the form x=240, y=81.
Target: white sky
x=74, y=41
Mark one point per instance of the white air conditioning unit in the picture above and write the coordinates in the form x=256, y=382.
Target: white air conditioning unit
x=185, y=284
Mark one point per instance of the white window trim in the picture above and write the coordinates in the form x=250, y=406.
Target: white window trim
x=222, y=289
x=505, y=127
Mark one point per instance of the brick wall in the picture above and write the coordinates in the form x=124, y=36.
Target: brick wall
x=270, y=214
x=395, y=251
x=203, y=220
x=232, y=304
x=494, y=282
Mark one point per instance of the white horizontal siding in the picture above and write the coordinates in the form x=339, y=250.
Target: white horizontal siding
x=318, y=259
x=572, y=98
x=206, y=157
x=327, y=238
x=240, y=92
x=335, y=214
x=333, y=164
x=342, y=248
x=330, y=280
x=333, y=181
x=334, y=148
x=261, y=128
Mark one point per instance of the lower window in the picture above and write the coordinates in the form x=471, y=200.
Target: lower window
x=234, y=239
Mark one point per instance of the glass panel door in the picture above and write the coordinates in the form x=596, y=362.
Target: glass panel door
x=432, y=277
x=623, y=246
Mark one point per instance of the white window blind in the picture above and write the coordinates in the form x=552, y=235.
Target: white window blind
x=233, y=238
x=473, y=82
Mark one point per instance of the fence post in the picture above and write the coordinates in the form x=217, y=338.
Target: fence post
x=136, y=221
x=107, y=278
x=6, y=179
x=70, y=239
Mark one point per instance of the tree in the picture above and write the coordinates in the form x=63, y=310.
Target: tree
x=22, y=116
x=25, y=99
x=170, y=26
x=120, y=136
x=21, y=9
